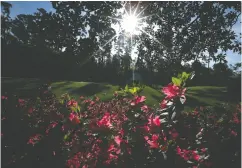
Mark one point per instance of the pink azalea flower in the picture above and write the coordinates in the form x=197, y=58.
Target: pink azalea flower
x=203, y=150
x=111, y=156
x=195, y=156
x=4, y=97
x=34, y=139
x=71, y=116
x=185, y=155
x=138, y=99
x=105, y=121
x=233, y=133
x=121, y=132
x=155, y=137
x=146, y=138
x=52, y=125
x=163, y=104
x=72, y=103
x=153, y=142
x=30, y=110
x=111, y=148
x=74, y=161
x=144, y=108
x=174, y=134
x=178, y=150
x=155, y=121
x=21, y=102
x=118, y=140
x=74, y=118
x=236, y=119
x=92, y=103
x=171, y=91
x=146, y=128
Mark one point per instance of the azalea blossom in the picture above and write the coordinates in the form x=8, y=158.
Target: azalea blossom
x=21, y=102
x=105, y=121
x=178, y=150
x=34, y=139
x=163, y=104
x=74, y=118
x=52, y=125
x=111, y=156
x=236, y=119
x=171, y=91
x=155, y=121
x=30, y=110
x=118, y=140
x=4, y=97
x=153, y=142
x=174, y=134
x=72, y=103
x=146, y=128
x=195, y=156
x=203, y=150
x=144, y=108
x=75, y=161
x=233, y=133
x=71, y=116
x=138, y=99
x=92, y=103
x=121, y=132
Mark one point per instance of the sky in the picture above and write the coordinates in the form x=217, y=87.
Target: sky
x=29, y=7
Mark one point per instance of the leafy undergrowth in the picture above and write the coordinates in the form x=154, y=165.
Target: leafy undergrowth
x=122, y=132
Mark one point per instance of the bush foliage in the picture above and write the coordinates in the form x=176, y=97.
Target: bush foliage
x=122, y=132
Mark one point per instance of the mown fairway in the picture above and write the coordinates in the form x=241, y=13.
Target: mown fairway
x=196, y=96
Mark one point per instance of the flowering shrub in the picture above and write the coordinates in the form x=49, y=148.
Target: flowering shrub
x=122, y=132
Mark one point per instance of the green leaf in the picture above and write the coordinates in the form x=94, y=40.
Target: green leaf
x=126, y=89
x=66, y=136
x=62, y=101
x=78, y=108
x=185, y=76
x=176, y=81
x=179, y=75
x=134, y=90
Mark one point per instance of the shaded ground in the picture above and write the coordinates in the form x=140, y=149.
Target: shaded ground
x=196, y=96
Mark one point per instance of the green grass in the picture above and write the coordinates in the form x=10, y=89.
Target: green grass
x=196, y=96
x=86, y=89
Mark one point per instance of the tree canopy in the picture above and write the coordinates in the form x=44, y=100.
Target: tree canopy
x=78, y=40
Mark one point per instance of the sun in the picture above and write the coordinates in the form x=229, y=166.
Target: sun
x=130, y=23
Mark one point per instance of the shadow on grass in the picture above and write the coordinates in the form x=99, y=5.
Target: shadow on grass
x=217, y=94
x=25, y=88
x=88, y=90
x=193, y=102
